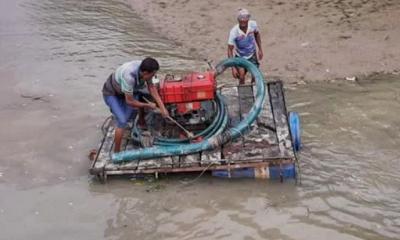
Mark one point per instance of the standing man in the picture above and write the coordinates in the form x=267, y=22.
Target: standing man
x=121, y=93
x=242, y=41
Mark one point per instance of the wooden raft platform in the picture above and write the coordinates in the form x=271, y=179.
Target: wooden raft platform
x=268, y=143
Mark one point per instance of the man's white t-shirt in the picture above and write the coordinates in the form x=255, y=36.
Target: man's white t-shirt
x=245, y=43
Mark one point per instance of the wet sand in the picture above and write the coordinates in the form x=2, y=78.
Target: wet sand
x=302, y=40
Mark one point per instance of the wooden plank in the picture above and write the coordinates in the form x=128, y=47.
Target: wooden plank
x=243, y=164
x=121, y=166
x=104, y=154
x=246, y=102
x=175, y=161
x=164, y=162
x=265, y=134
x=254, y=150
x=190, y=160
x=232, y=99
x=265, y=121
x=213, y=156
x=278, y=108
x=149, y=164
x=246, y=99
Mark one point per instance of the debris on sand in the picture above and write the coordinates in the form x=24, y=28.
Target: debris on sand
x=35, y=98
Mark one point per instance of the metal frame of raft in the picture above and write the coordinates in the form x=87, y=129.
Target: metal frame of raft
x=267, y=144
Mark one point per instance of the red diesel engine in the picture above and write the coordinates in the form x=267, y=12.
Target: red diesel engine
x=189, y=99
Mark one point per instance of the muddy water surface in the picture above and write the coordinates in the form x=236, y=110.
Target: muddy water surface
x=55, y=56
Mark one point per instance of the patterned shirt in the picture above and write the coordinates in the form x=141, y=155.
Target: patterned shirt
x=127, y=76
x=125, y=80
x=245, y=43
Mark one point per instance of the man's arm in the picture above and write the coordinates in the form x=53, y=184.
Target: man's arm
x=130, y=100
x=235, y=73
x=154, y=93
x=258, y=41
x=230, y=50
x=231, y=42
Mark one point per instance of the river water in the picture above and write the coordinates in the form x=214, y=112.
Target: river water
x=55, y=55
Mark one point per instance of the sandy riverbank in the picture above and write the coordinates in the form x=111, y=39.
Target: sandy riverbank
x=302, y=40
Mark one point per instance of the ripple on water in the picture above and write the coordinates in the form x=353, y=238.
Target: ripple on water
x=350, y=158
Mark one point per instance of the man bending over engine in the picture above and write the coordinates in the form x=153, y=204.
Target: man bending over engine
x=242, y=41
x=122, y=92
